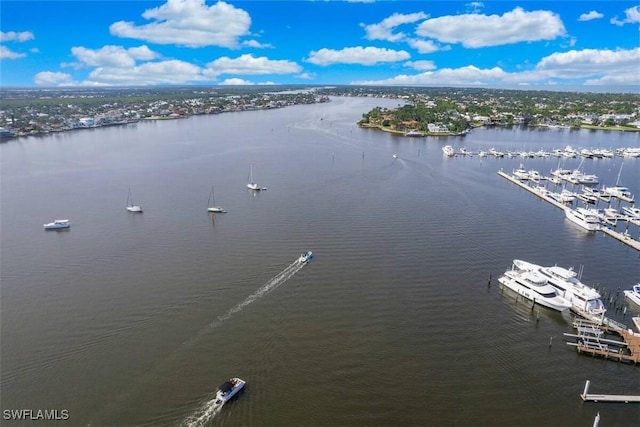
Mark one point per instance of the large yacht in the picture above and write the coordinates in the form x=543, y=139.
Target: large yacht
x=634, y=294
x=585, y=218
x=584, y=300
x=534, y=286
x=228, y=390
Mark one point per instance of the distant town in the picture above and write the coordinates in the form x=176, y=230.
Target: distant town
x=420, y=111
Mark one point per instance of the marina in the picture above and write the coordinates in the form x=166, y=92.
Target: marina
x=590, y=340
x=544, y=195
x=155, y=310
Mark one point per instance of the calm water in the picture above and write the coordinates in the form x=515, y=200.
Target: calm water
x=132, y=319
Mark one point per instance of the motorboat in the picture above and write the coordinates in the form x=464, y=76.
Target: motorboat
x=58, y=224
x=521, y=173
x=584, y=300
x=533, y=286
x=618, y=191
x=585, y=218
x=633, y=295
x=229, y=389
x=305, y=257
x=448, y=151
x=631, y=211
x=131, y=207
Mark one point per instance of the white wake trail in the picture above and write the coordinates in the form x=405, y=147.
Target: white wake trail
x=272, y=284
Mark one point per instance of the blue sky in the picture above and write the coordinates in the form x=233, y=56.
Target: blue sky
x=527, y=44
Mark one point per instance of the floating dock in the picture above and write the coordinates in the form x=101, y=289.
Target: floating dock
x=607, y=397
x=624, y=238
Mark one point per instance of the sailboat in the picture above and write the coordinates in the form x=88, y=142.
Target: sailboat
x=252, y=185
x=212, y=204
x=130, y=206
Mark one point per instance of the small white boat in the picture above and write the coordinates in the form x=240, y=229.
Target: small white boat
x=130, y=206
x=633, y=295
x=58, y=224
x=212, y=204
x=631, y=211
x=229, y=389
x=521, y=173
x=585, y=218
x=252, y=185
x=534, y=286
x=448, y=151
x=305, y=257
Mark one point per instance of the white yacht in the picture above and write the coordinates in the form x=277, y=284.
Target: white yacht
x=618, y=191
x=521, y=173
x=584, y=300
x=58, y=224
x=631, y=211
x=229, y=389
x=448, y=151
x=534, y=286
x=634, y=294
x=585, y=218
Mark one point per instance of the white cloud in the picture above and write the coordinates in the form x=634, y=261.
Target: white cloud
x=235, y=82
x=420, y=65
x=464, y=76
x=632, y=16
x=48, y=78
x=189, y=23
x=249, y=65
x=595, y=67
x=6, y=53
x=425, y=46
x=590, y=62
x=475, y=6
x=150, y=73
x=475, y=30
x=356, y=55
x=591, y=15
x=384, y=30
x=112, y=56
x=306, y=76
x=12, y=36
x=256, y=44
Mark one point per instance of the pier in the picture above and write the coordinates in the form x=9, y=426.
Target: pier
x=607, y=397
x=590, y=340
x=622, y=237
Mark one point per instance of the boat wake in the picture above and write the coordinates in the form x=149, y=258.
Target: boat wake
x=272, y=284
x=204, y=414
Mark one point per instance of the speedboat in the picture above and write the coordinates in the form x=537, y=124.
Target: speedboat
x=229, y=389
x=305, y=257
x=585, y=218
x=58, y=224
x=534, y=286
x=634, y=294
x=448, y=151
x=584, y=300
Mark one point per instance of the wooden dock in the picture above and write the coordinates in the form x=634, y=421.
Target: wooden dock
x=607, y=397
x=624, y=238
x=590, y=340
